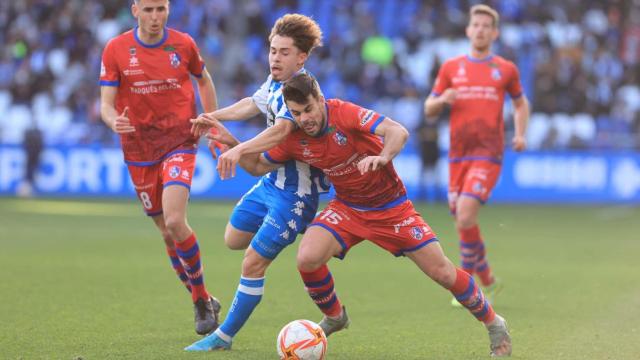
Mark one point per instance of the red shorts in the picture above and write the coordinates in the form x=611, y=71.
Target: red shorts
x=149, y=181
x=398, y=230
x=474, y=178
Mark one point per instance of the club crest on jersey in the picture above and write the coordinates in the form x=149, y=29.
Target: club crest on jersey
x=416, y=233
x=495, y=74
x=174, y=59
x=340, y=138
x=174, y=172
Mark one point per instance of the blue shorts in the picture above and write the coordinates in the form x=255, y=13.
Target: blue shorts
x=274, y=215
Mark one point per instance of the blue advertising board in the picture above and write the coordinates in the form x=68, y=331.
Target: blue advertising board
x=529, y=177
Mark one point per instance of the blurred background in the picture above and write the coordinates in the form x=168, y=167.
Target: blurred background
x=579, y=62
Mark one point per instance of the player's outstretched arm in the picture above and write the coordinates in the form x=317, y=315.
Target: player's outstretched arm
x=264, y=141
x=434, y=104
x=254, y=164
x=520, y=119
x=268, y=138
x=242, y=110
x=119, y=123
x=395, y=136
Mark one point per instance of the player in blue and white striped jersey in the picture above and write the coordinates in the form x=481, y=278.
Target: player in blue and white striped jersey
x=282, y=203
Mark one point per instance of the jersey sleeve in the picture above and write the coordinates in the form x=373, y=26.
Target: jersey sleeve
x=443, y=82
x=109, y=72
x=261, y=95
x=514, y=87
x=284, y=113
x=196, y=64
x=359, y=118
x=278, y=154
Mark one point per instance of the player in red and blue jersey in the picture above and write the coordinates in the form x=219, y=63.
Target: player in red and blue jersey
x=147, y=97
x=344, y=141
x=475, y=86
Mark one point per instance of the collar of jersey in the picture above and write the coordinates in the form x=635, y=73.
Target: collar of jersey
x=164, y=38
x=476, y=60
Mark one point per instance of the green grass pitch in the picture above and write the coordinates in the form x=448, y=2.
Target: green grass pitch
x=90, y=280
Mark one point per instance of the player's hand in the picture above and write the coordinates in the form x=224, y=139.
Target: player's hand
x=214, y=145
x=201, y=125
x=122, y=124
x=449, y=96
x=227, y=163
x=220, y=134
x=372, y=163
x=519, y=143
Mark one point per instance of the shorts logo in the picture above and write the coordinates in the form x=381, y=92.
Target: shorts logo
x=285, y=235
x=408, y=221
x=174, y=60
x=176, y=158
x=478, y=188
x=174, y=171
x=185, y=174
x=293, y=225
x=416, y=233
x=271, y=221
x=340, y=138
x=365, y=116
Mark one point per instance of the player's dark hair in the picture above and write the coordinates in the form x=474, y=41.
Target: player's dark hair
x=299, y=87
x=304, y=31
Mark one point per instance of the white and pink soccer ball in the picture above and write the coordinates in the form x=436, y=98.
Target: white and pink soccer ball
x=302, y=340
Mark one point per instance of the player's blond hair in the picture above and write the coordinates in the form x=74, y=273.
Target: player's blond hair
x=485, y=10
x=304, y=31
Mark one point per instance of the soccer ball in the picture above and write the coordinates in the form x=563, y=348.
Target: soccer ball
x=302, y=340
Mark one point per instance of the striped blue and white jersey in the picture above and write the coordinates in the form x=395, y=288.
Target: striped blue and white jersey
x=296, y=177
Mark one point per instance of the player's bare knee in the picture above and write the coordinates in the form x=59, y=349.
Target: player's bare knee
x=175, y=225
x=308, y=262
x=465, y=220
x=236, y=240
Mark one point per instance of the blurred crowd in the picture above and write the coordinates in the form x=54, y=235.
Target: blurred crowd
x=579, y=60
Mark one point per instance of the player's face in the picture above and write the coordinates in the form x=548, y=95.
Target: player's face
x=311, y=117
x=152, y=16
x=481, y=31
x=285, y=59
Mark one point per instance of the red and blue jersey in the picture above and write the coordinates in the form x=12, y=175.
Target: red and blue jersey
x=476, y=127
x=348, y=137
x=154, y=81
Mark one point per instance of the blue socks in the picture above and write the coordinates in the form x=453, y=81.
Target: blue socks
x=248, y=296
